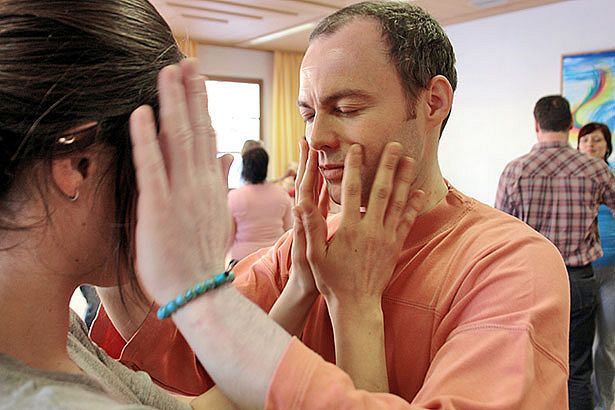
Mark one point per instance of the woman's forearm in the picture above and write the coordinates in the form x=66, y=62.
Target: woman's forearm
x=234, y=340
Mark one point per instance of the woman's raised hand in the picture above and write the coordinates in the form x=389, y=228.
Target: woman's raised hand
x=182, y=215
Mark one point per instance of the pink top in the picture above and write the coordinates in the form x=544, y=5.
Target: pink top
x=261, y=214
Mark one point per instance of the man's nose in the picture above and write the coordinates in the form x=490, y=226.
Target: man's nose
x=323, y=134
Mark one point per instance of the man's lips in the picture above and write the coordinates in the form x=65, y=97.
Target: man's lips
x=332, y=172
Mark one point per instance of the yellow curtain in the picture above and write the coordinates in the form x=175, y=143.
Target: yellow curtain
x=288, y=126
x=187, y=46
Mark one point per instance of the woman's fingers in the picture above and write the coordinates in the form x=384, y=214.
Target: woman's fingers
x=149, y=162
x=176, y=136
x=205, y=150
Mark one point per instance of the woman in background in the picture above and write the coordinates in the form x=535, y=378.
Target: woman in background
x=261, y=211
x=595, y=141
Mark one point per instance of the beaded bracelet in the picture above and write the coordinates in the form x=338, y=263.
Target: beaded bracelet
x=197, y=290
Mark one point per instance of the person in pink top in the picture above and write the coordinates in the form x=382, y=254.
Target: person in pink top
x=260, y=211
x=467, y=309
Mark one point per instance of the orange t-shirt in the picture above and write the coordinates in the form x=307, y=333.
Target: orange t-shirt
x=475, y=315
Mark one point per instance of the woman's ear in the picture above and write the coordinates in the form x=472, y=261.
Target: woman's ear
x=439, y=97
x=69, y=173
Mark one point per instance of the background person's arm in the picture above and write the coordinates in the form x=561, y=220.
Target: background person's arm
x=609, y=191
x=505, y=195
x=231, y=198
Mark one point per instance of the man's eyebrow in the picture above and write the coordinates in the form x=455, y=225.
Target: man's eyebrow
x=333, y=98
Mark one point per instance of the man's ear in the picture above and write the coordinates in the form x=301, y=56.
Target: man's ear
x=69, y=173
x=536, y=126
x=439, y=98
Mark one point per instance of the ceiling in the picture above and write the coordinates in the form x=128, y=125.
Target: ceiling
x=286, y=24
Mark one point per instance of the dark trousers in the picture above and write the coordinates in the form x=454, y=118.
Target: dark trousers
x=583, y=290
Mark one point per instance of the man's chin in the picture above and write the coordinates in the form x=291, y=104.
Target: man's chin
x=335, y=191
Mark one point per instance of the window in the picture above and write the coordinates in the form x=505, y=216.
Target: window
x=235, y=109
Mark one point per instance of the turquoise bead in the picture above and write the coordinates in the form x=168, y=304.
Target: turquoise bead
x=189, y=294
x=196, y=290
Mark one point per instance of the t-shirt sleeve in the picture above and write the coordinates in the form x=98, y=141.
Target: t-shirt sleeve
x=160, y=349
x=304, y=380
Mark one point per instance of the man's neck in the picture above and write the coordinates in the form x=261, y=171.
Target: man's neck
x=550, y=136
x=434, y=186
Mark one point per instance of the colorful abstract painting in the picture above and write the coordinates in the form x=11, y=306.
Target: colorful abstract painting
x=588, y=82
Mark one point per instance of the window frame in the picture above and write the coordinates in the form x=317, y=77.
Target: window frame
x=246, y=81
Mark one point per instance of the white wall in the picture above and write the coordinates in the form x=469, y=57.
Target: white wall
x=505, y=64
x=242, y=63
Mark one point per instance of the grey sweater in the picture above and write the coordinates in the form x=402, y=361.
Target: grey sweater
x=106, y=384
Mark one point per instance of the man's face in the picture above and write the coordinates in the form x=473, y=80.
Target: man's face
x=350, y=93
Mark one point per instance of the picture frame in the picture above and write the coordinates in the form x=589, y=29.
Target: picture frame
x=588, y=83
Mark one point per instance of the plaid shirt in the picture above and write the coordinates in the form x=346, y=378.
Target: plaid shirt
x=557, y=191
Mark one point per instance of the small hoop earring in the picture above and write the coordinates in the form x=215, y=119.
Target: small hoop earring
x=74, y=197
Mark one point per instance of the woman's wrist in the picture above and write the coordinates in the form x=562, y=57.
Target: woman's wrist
x=179, y=286
x=194, y=292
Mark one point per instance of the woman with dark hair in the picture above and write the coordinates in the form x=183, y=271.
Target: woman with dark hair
x=261, y=211
x=71, y=74
x=595, y=141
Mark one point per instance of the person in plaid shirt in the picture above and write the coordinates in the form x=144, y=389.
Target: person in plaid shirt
x=557, y=191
